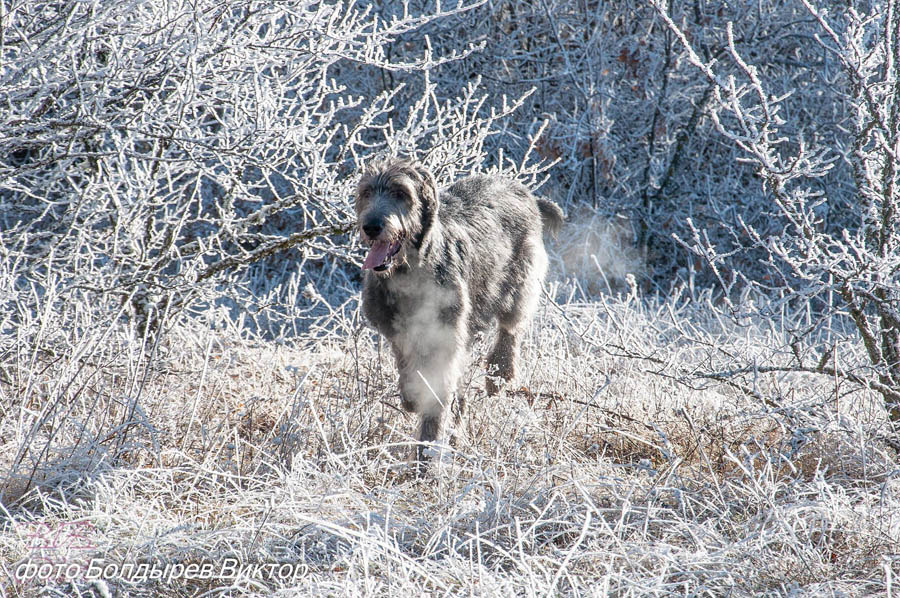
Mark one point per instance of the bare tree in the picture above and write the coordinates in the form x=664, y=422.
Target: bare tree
x=627, y=115
x=150, y=146
x=853, y=271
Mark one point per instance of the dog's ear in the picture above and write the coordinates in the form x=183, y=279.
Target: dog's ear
x=428, y=196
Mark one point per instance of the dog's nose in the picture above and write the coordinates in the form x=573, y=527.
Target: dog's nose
x=373, y=228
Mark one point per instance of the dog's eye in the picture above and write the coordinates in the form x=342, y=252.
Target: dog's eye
x=400, y=195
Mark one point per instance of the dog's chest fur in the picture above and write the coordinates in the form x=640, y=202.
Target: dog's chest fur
x=412, y=303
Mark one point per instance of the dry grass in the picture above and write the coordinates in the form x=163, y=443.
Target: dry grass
x=610, y=468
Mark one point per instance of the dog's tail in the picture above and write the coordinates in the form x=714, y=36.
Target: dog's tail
x=551, y=216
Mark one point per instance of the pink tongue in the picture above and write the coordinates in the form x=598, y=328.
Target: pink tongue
x=377, y=254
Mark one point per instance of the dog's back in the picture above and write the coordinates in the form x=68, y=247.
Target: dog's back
x=492, y=228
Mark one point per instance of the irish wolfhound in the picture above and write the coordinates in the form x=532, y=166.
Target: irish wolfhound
x=441, y=268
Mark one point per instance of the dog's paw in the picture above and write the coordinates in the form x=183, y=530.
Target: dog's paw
x=493, y=385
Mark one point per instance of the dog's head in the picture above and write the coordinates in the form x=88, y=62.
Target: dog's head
x=396, y=207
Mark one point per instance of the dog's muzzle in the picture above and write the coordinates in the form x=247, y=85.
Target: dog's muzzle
x=380, y=255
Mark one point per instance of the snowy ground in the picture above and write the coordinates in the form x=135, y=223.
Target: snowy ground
x=614, y=466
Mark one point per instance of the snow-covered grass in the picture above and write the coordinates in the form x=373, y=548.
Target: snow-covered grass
x=616, y=465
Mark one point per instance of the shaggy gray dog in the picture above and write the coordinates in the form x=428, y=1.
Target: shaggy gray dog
x=441, y=268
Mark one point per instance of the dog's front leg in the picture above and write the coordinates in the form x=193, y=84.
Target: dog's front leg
x=427, y=383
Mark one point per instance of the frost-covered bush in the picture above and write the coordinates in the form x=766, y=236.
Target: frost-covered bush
x=630, y=117
x=152, y=150
x=836, y=247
